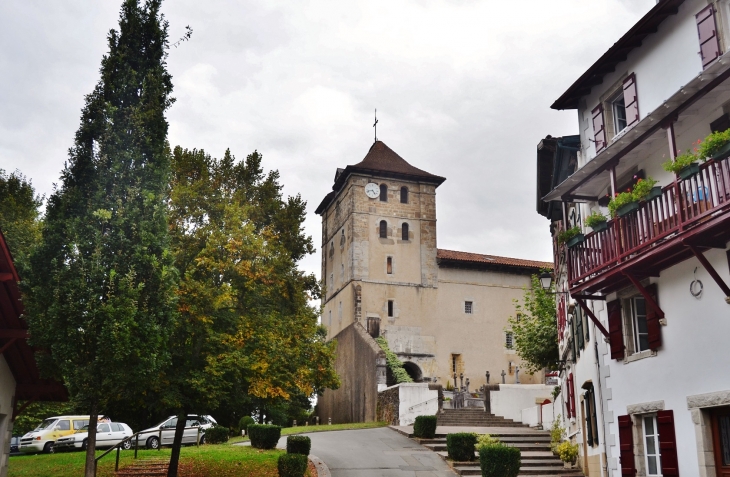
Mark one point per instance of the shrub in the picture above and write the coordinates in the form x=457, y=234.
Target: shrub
x=292, y=465
x=486, y=440
x=216, y=435
x=395, y=366
x=245, y=422
x=567, y=452
x=298, y=445
x=557, y=433
x=499, y=460
x=263, y=436
x=566, y=235
x=460, y=446
x=425, y=426
x=594, y=219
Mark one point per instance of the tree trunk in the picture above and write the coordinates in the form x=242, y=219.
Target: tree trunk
x=177, y=443
x=90, y=470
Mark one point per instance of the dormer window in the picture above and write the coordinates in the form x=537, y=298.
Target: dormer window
x=383, y=193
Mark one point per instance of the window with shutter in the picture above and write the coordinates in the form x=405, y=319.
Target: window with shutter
x=574, y=342
x=631, y=103
x=599, y=129
x=707, y=31
x=653, y=327
x=615, y=329
x=626, y=446
x=571, y=395
x=579, y=329
x=667, y=443
x=587, y=416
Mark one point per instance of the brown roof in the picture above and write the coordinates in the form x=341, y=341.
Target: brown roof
x=478, y=258
x=617, y=53
x=383, y=161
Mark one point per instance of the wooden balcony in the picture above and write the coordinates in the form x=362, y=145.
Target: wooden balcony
x=689, y=215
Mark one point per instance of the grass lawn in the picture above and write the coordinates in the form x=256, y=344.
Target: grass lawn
x=286, y=431
x=207, y=461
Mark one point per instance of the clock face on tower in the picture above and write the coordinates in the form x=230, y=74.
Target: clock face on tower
x=372, y=190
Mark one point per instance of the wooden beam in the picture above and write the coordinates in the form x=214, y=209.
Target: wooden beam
x=7, y=345
x=593, y=318
x=647, y=296
x=589, y=297
x=6, y=277
x=715, y=276
x=14, y=333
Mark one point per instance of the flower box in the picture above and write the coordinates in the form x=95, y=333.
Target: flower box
x=575, y=240
x=689, y=171
x=722, y=153
x=625, y=210
x=654, y=193
x=600, y=226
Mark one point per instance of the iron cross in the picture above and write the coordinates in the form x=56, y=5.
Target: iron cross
x=375, y=125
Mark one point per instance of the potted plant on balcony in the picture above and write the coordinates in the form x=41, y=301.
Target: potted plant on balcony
x=597, y=221
x=715, y=146
x=685, y=165
x=645, y=189
x=571, y=237
x=623, y=204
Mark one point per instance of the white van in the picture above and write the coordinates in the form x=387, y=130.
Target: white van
x=42, y=438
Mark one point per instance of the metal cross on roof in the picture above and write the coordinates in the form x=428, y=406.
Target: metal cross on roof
x=375, y=125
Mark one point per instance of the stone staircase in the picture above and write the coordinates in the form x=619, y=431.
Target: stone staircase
x=473, y=418
x=145, y=468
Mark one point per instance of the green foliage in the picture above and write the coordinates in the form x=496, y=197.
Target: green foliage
x=680, y=162
x=621, y=199
x=100, y=289
x=567, y=452
x=499, y=460
x=460, y=446
x=425, y=427
x=264, y=436
x=395, y=366
x=557, y=433
x=39, y=410
x=298, y=445
x=594, y=219
x=216, y=435
x=535, y=329
x=642, y=188
x=486, y=440
x=19, y=217
x=566, y=235
x=245, y=422
x=449, y=386
x=712, y=144
x=556, y=392
x=292, y=465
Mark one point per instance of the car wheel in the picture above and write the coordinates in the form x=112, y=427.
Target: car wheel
x=84, y=445
x=202, y=439
x=153, y=443
x=48, y=448
x=127, y=444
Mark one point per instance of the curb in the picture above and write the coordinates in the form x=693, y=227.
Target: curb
x=322, y=469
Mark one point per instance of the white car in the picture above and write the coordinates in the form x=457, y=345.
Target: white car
x=164, y=432
x=108, y=434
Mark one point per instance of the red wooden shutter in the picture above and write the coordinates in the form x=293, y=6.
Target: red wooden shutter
x=667, y=443
x=653, y=327
x=615, y=330
x=631, y=102
x=571, y=395
x=626, y=444
x=707, y=30
x=599, y=130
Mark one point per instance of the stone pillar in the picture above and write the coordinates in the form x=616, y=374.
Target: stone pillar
x=358, y=303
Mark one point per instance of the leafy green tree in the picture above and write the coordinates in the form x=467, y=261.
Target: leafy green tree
x=534, y=328
x=246, y=328
x=39, y=410
x=19, y=217
x=100, y=295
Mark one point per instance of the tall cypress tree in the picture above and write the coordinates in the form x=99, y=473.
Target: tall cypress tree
x=100, y=294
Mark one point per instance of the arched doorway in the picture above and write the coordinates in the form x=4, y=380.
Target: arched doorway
x=413, y=371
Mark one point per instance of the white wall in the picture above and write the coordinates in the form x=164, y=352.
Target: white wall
x=416, y=400
x=511, y=399
x=7, y=391
x=539, y=415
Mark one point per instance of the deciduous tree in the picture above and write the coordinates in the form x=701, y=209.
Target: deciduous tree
x=19, y=217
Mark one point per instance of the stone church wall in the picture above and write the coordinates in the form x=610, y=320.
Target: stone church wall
x=360, y=363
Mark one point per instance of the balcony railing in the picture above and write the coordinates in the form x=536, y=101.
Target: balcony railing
x=681, y=205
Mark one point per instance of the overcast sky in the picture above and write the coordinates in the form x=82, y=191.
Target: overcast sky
x=463, y=89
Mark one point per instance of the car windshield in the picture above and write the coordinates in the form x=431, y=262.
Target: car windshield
x=46, y=424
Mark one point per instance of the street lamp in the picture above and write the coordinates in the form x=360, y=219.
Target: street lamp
x=546, y=280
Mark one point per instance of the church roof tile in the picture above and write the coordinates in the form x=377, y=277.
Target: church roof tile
x=454, y=256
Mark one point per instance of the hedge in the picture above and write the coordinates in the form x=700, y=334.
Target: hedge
x=245, y=422
x=425, y=426
x=263, y=436
x=460, y=446
x=298, y=445
x=216, y=435
x=499, y=460
x=292, y=465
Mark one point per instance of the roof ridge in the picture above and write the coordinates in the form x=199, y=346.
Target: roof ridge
x=487, y=258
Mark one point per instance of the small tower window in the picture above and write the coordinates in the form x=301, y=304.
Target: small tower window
x=508, y=340
x=390, y=308
x=383, y=229
x=404, y=232
x=383, y=193
x=404, y=195
x=468, y=307
x=389, y=265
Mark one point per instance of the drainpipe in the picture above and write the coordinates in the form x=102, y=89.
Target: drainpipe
x=600, y=400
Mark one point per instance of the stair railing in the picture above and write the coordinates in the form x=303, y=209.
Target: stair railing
x=422, y=403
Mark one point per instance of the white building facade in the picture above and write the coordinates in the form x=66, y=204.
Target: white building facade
x=649, y=290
